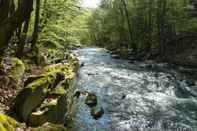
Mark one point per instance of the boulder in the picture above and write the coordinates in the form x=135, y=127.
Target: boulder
x=123, y=96
x=53, y=112
x=12, y=70
x=91, y=100
x=46, y=97
x=82, y=64
x=9, y=124
x=97, y=112
x=115, y=56
x=96, y=109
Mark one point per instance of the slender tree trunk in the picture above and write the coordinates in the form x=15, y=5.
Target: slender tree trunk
x=150, y=24
x=129, y=26
x=36, y=25
x=161, y=20
x=21, y=44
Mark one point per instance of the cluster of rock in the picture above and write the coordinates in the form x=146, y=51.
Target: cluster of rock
x=45, y=101
x=91, y=100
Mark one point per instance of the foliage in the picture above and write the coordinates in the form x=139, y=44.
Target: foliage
x=65, y=24
x=142, y=25
x=8, y=123
x=53, y=24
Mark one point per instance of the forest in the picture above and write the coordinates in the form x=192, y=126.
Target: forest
x=98, y=65
x=148, y=29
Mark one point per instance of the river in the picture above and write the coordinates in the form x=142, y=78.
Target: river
x=135, y=97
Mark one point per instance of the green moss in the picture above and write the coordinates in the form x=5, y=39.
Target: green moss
x=13, y=68
x=60, y=68
x=41, y=82
x=8, y=124
x=17, y=69
x=32, y=96
x=61, y=88
x=32, y=104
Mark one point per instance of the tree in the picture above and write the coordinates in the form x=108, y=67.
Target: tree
x=131, y=40
x=10, y=19
x=36, y=25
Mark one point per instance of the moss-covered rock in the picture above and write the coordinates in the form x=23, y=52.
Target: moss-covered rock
x=91, y=100
x=17, y=69
x=53, y=112
x=8, y=124
x=31, y=97
x=45, y=97
x=12, y=70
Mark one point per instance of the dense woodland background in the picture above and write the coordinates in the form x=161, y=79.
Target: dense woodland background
x=146, y=28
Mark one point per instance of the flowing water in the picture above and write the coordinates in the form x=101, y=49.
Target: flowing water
x=135, y=97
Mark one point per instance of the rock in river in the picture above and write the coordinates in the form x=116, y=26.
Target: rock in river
x=97, y=112
x=91, y=100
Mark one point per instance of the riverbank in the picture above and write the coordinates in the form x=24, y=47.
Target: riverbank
x=39, y=96
x=182, y=57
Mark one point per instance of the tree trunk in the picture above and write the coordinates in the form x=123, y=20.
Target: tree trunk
x=20, y=49
x=9, y=24
x=129, y=26
x=150, y=25
x=161, y=20
x=4, y=9
x=36, y=25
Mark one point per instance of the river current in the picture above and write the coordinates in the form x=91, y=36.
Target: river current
x=135, y=97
